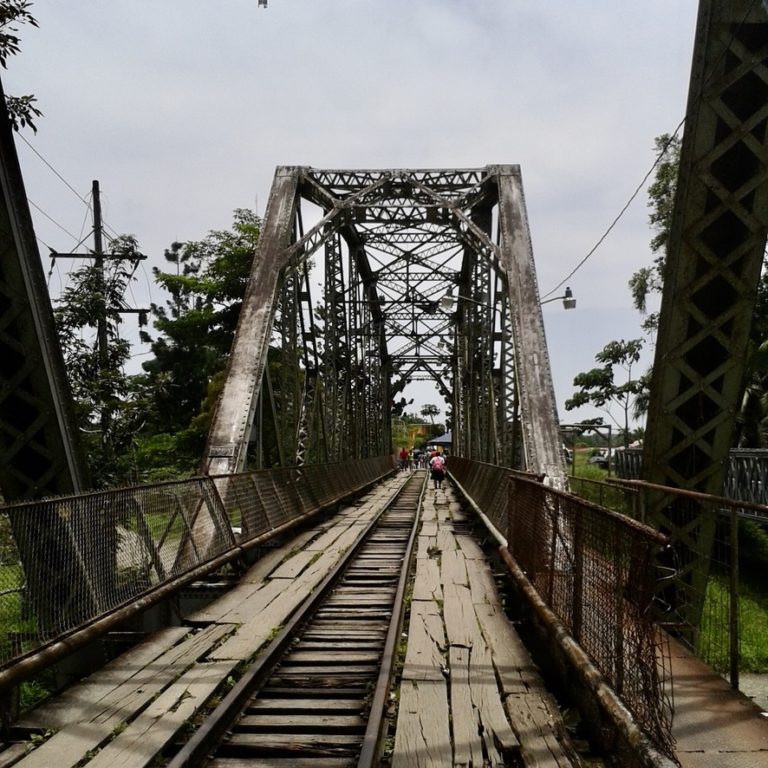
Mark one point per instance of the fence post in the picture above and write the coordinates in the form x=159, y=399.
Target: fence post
x=733, y=607
x=578, y=574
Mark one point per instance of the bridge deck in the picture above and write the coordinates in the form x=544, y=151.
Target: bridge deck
x=460, y=644
x=714, y=725
x=469, y=688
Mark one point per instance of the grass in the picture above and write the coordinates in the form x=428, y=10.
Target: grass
x=753, y=627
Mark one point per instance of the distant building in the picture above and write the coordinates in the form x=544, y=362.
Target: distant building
x=444, y=442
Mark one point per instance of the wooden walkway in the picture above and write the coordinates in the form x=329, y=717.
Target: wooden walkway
x=470, y=695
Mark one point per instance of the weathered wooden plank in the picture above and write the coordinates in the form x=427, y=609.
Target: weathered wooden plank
x=257, y=602
x=283, y=762
x=428, y=510
x=453, y=569
x=320, y=744
x=12, y=754
x=422, y=738
x=481, y=582
x=285, y=596
x=446, y=541
x=427, y=546
x=304, y=705
x=470, y=547
x=341, y=525
x=290, y=722
x=457, y=511
x=460, y=621
x=428, y=528
x=331, y=657
x=540, y=732
x=96, y=722
x=426, y=585
x=140, y=743
x=70, y=705
x=467, y=743
x=514, y=665
x=294, y=565
x=486, y=697
x=340, y=668
x=425, y=657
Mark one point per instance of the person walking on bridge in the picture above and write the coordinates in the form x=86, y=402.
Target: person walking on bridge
x=437, y=469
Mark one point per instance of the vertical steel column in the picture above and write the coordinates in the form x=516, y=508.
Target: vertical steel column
x=540, y=439
x=336, y=354
x=226, y=450
x=714, y=258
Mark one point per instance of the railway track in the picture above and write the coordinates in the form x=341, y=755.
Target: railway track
x=317, y=695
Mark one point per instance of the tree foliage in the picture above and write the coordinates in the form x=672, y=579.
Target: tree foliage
x=99, y=384
x=430, y=411
x=600, y=387
x=195, y=328
x=13, y=13
x=661, y=199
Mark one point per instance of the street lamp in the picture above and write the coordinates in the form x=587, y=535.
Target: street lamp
x=448, y=302
x=568, y=301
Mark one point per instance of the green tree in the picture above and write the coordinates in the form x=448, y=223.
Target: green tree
x=100, y=387
x=21, y=109
x=661, y=199
x=599, y=386
x=195, y=329
x=430, y=411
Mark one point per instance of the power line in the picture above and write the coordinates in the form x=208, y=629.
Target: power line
x=621, y=212
x=50, y=218
x=77, y=194
x=663, y=151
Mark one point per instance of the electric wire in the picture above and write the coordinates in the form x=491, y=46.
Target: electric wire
x=621, y=213
x=51, y=219
x=713, y=70
x=69, y=186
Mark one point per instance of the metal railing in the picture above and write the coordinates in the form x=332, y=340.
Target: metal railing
x=66, y=562
x=713, y=609
x=596, y=570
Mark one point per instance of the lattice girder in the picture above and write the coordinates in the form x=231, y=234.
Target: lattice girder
x=409, y=236
x=714, y=259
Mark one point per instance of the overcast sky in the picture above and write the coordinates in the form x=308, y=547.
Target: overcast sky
x=183, y=108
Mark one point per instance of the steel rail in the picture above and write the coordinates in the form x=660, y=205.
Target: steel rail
x=372, y=736
x=216, y=725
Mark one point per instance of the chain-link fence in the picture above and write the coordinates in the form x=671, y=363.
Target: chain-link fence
x=596, y=570
x=713, y=598
x=69, y=560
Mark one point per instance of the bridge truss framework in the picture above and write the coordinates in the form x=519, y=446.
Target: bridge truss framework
x=380, y=248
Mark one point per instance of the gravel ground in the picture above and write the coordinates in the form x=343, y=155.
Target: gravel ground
x=756, y=687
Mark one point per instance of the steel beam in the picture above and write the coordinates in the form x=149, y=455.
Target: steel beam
x=714, y=258
x=38, y=437
x=227, y=445
x=540, y=439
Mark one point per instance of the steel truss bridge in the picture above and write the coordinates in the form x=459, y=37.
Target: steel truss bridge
x=390, y=244
x=343, y=309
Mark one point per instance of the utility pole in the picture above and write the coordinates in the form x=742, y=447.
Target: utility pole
x=102, y=329
x=102, y=339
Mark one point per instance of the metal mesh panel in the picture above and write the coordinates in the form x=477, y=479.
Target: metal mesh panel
x=67, y=561
x=487, y=485
x=597, y=571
